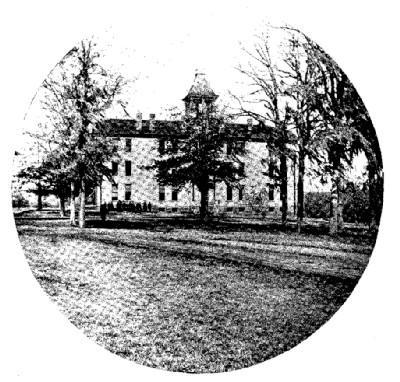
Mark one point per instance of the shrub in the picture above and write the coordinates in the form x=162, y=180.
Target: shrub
x=355, y=204
x=317, y=204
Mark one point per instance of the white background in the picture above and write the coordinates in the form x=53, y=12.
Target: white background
x=361, y=341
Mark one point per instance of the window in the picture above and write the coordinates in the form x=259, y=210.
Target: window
x=128, y=168
x=271, y=169
x=161, y=146
x=128, y=191
x=114, y=191
x=229, y=149
x=114, y=168
x=271, y=195
x=128, y=145
x=240, y=193
x=193, y=193
x=228, y=192
x=161, y=193
x=174, y=194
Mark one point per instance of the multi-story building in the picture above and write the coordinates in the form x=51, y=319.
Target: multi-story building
x=140, y=141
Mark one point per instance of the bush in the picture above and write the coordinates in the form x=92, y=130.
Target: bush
x=19, y=201
x=355, y=204
x=317, y=204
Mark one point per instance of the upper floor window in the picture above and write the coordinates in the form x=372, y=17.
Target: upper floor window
x=229, y=148
x=114, y=168
x=128, y=168
x=161, y=146
x=128, y=145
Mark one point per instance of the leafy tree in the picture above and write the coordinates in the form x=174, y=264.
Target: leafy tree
x=51, y=178
x=348, y=131
x=195, y=154
x=77, y=95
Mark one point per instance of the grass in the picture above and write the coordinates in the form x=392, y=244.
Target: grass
x=172, y=294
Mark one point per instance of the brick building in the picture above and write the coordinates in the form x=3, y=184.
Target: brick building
x=140, y=141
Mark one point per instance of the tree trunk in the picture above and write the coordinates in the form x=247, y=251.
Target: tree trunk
x=284, y=187
x=204, y=201
x=336, y=222
x=340, y=205
x=333, y=222
x=300, y=191
x=39, y=197
x=294, y=189
x=62, y=206
x=375, y=192
x=72, y=218
x=82, y=202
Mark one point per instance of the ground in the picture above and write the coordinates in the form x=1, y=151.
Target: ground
x=174, y=294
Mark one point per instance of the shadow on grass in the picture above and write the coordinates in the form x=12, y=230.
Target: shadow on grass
x=161, y=223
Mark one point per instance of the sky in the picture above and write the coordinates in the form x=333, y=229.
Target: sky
x=159, y=56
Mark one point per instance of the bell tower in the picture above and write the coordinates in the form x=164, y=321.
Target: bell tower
x=200, y=97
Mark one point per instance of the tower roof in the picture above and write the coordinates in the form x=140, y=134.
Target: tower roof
x=200, y=88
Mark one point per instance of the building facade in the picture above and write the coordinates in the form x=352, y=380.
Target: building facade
x=141, y=141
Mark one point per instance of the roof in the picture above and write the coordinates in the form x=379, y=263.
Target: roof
x=201, y=88
x=163, y=129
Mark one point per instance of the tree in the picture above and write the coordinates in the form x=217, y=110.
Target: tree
x=300, y=76
x=51, y=177
x=77, y=95
x=349, y=131
x=195, y=154
x=268, y=90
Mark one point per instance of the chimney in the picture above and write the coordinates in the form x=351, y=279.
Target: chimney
x=249, y=125
x=139, y=121
x=152, y=117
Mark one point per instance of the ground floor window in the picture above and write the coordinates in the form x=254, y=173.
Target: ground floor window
x=271, y=195
x=114, y=191
x=174, y=194
x=128, y=168
x=161, y=193
x=128, y=191
x=240, y=193
x=128, y=145
x=228, y=192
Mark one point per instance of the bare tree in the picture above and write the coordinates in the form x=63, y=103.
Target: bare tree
x=268, y=90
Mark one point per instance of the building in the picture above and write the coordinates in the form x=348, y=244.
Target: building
x=140, y=141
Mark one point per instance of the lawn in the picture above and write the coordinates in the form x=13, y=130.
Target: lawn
x=172, y=294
